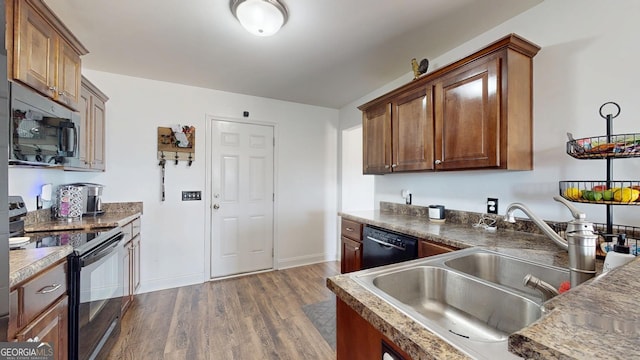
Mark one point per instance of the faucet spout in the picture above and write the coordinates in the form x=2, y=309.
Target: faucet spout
x=546, y=290
x=546, y=229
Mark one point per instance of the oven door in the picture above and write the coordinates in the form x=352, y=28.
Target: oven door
x=100, y=291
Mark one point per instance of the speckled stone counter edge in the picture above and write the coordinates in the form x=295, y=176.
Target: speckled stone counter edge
x=24, y=264
x=116, y=214
x=552, y=337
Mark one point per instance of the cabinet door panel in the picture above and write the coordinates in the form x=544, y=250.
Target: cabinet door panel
x=351, y=255
x=68, y=76
x=84, y=106
x=412, y=129
x=34, y=50
x=51, y=327
x=98, y=145
x=376, y=142
x=467, y=117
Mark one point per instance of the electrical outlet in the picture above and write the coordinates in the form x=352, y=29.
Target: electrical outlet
x=191, y=195
x=492, y=205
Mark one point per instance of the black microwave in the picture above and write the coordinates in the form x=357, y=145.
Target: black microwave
x=43, y=132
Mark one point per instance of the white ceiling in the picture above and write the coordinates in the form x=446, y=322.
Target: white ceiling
x=329, y=53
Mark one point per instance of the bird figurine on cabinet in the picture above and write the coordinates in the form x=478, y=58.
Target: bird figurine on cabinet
x=419, y=69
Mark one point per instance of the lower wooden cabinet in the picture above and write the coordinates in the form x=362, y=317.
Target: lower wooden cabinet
x=50, y=327
x=351, y=255
x=39, y=310
x=428, y=248
x=357, y=339
x=131, y=262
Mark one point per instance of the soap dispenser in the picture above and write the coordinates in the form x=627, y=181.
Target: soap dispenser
x=619, y=256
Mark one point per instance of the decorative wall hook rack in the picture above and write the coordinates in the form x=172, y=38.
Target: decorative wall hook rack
x=178, y=140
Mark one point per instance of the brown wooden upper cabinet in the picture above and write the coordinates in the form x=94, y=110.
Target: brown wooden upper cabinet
x=473, y=114
x=92, y=116
x=42, y=53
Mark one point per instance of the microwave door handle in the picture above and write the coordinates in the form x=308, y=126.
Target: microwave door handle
x=75, y=140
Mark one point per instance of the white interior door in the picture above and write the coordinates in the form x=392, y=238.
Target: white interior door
x=242, y=204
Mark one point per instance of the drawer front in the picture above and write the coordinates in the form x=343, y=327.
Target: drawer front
x=42, y=291
x=352, y=229
x=135, y=227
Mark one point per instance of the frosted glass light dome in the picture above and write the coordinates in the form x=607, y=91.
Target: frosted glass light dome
x=260, y=17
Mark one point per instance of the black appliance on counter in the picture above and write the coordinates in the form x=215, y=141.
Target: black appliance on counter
x=384, y=247
x=17, y=213
x=42, y=132
x=96, y=287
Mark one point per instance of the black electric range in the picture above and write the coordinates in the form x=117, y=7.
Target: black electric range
x=96, y=287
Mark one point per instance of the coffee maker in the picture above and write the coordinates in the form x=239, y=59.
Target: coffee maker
x=86, y=196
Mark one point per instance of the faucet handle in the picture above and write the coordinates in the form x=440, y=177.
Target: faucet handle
x=577, y=214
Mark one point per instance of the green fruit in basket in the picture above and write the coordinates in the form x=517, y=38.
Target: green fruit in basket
x=607, y=195
x=597, y=195
x=586, y=194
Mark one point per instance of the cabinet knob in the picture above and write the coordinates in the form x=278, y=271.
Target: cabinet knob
x=438, y=162
x=60, y=92
x=52, y=88
x=394, y=166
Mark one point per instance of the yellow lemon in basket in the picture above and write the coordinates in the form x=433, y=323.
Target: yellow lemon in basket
x=626, y=195
x=573, y=193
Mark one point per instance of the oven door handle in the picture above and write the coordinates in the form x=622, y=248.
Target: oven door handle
x=385, y=244
x=105, y=251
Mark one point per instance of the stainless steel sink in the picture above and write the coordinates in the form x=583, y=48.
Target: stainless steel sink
x=472, y=298
x=508, y=271
x=460, y=304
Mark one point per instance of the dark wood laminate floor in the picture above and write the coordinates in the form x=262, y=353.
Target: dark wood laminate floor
x=251, y=317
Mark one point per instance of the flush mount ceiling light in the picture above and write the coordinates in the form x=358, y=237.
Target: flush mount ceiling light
x=260, y=17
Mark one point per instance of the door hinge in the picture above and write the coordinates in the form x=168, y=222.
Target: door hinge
x=273, y=197
x=274, y=142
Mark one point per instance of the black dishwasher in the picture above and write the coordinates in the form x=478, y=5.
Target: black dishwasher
x=383, y=247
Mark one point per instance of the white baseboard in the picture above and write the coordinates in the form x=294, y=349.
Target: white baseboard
x=302, y=260
x=170, y=283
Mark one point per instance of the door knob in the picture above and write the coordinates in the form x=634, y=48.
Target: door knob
x=216, y=206
x=438, y=162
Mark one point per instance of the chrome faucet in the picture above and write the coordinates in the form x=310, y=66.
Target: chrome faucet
x=580, y=243
x=546, y=290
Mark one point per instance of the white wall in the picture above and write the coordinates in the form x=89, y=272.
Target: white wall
x=588, y=57
x=174, y=232
x=357, y=191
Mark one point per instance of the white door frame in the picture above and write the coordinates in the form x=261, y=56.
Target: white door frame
x=208, y=196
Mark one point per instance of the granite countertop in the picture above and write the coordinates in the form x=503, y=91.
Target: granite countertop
x=26, y=263
x=595, y=320
x=116, y=214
